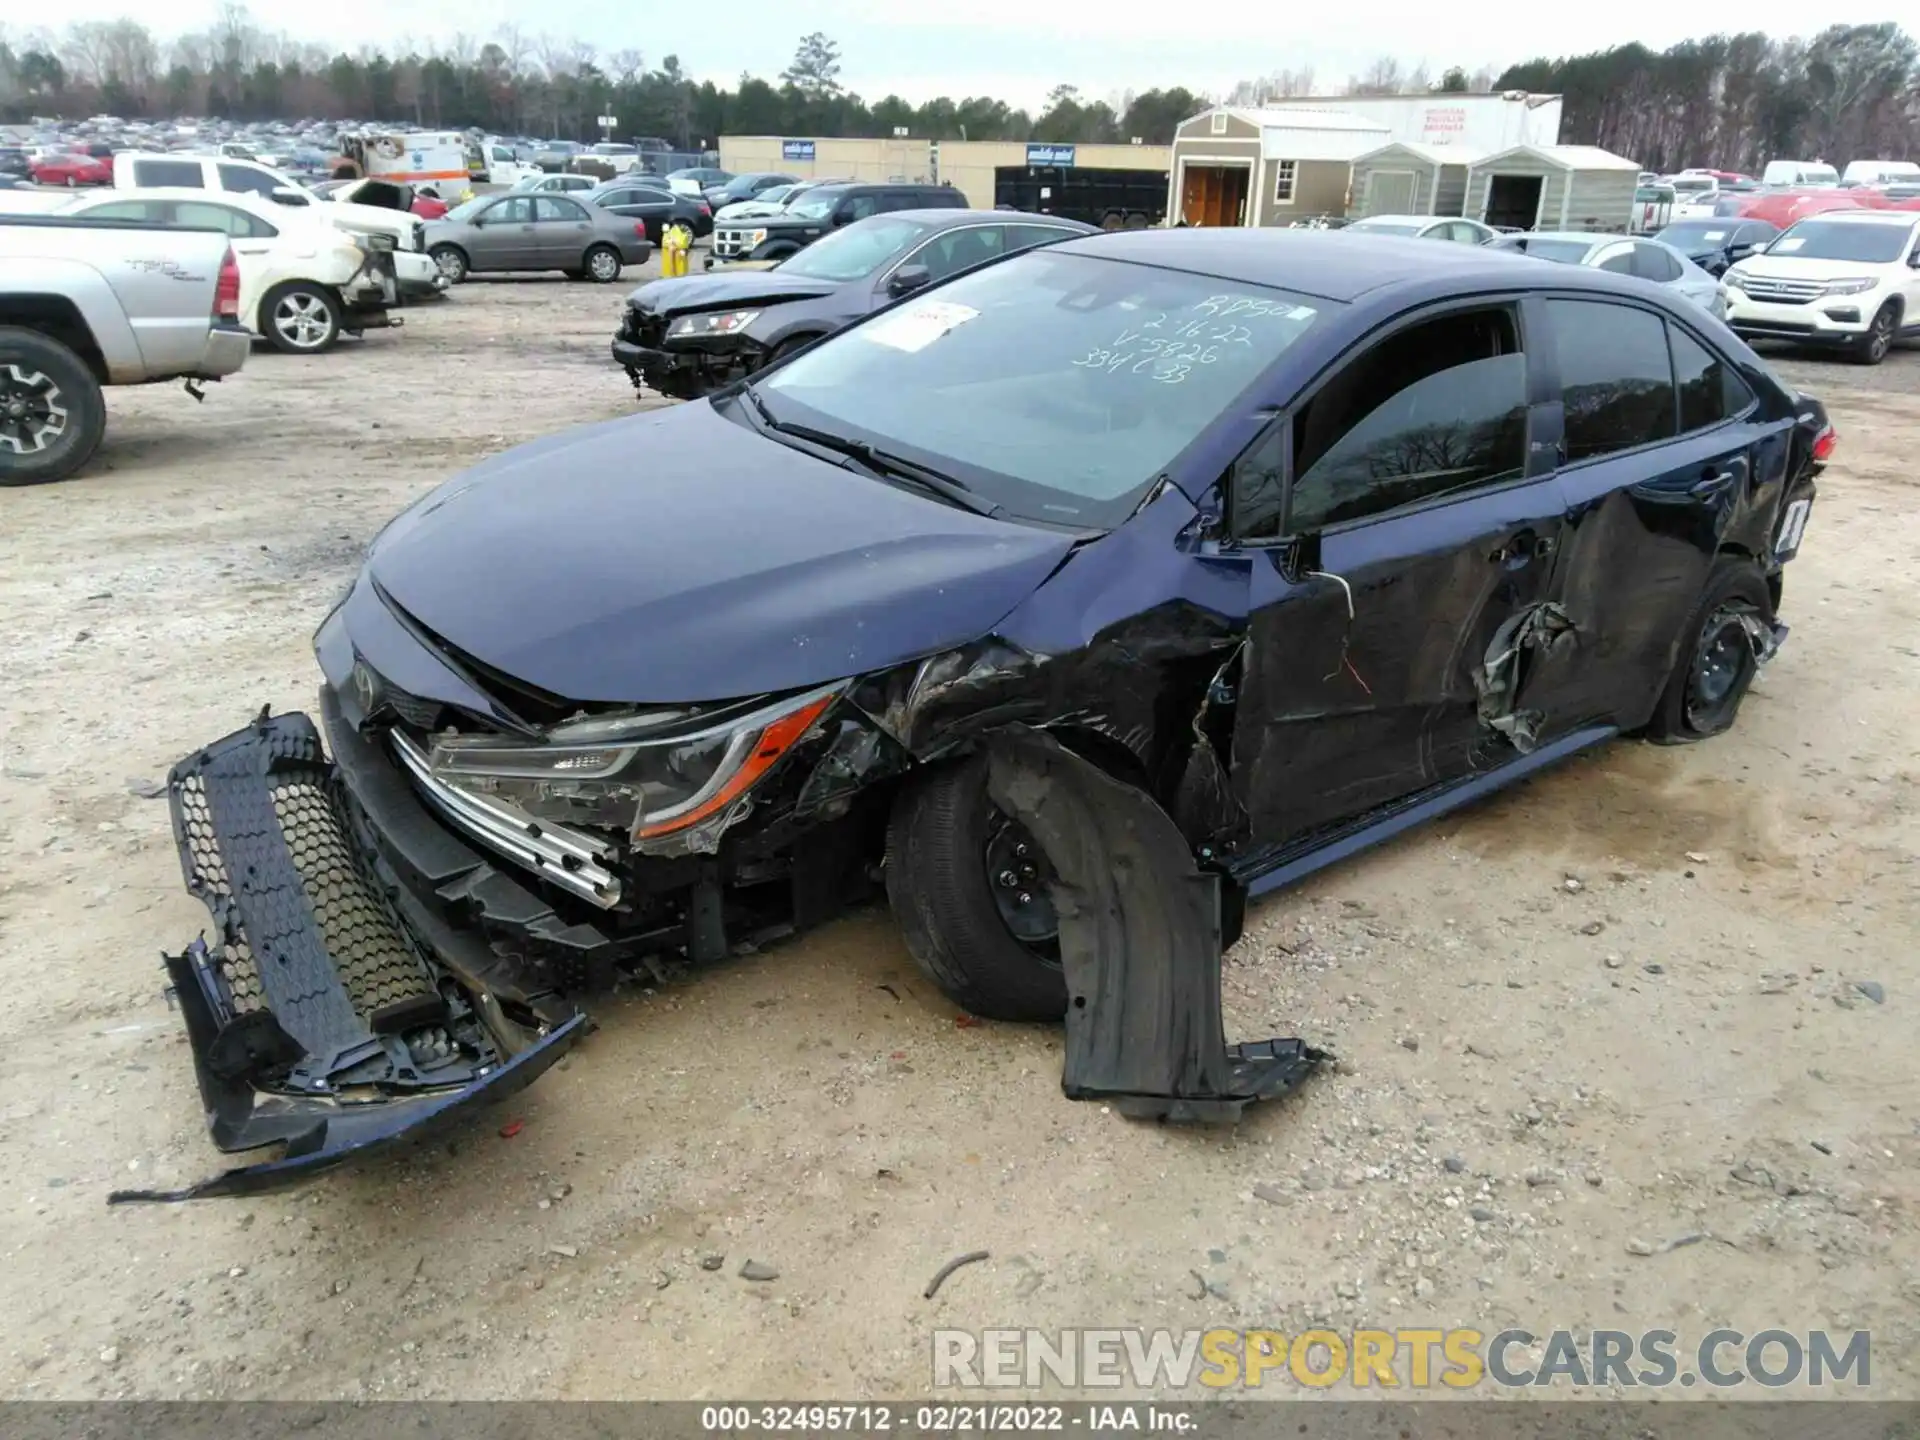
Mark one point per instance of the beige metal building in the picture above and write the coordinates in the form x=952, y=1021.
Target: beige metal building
x=1411, y=179
x=971, y=166
x=1553, y=187
x=1266, y=167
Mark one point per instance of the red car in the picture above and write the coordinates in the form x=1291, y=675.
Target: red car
x=426, y=207
x=72, y=169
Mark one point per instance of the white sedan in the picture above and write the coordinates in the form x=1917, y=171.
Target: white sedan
x=1425, y=227
x=303, y=283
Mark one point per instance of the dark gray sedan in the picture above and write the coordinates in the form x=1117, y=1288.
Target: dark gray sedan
x=536, y=232
x=687, y=335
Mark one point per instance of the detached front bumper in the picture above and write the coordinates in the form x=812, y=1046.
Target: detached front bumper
x=419, y=277
x=330, y=1010
x=686, y=370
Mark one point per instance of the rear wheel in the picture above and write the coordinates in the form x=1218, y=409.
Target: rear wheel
x=973, y=894
x=1136, y=220
x=52, y=414
x=301, y=318
x=1717, y=663
x=602, y=265
x=1113, y=220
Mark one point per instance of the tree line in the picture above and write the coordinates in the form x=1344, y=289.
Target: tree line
x=1727, y=101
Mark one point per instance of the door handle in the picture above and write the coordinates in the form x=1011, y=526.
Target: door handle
x=1712, y=484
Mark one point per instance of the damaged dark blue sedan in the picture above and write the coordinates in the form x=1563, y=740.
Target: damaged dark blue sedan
x=1071, y=603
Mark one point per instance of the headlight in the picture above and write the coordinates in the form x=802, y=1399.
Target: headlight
x=1736, y=276
x=1850, y=287
x=754, y=237
x=720, y=322
x=618, y=772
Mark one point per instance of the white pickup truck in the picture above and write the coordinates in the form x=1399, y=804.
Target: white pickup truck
x=90, y=303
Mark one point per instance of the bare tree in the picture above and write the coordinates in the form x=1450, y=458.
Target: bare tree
x=1383, y=77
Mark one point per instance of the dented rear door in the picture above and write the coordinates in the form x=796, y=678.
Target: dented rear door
x=1667, y=453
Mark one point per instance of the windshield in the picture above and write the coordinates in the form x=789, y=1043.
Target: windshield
x=1702, y=236
x=1870, y=244
x=470, y=209
x=1387, y=227
x=855, y=252
x=1057, y=386
x=1692, y=184
x=1654, y=194
x=1567, y=252
x=813, y=207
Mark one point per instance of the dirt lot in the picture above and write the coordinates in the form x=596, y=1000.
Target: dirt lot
x=1660, y=1000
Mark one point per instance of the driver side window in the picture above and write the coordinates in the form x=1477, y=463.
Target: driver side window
x=1438, y=408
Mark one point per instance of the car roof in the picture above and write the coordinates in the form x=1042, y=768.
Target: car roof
x=1866, y=217
x=1405, y=219
x=1330, y=264
x=946, y=219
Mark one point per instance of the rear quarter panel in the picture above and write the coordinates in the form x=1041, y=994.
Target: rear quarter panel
x=146, y=296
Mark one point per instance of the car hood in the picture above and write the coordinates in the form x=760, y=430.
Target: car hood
x=689, y=293
x=1793, y=267
x=676, y=556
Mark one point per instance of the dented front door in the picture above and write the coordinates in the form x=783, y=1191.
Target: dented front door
x=1340, y=717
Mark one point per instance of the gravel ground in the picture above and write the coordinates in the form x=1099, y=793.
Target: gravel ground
x=1631, y=1046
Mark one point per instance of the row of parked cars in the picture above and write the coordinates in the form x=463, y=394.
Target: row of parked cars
x=1844, y=278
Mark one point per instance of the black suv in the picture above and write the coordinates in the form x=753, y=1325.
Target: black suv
x=774, y=237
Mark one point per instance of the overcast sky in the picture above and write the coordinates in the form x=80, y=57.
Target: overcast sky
x=1017, y=50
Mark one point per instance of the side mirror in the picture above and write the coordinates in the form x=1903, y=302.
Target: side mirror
x=907, y=279
x=287, y=195
x=841, y=217
x=1913, y=261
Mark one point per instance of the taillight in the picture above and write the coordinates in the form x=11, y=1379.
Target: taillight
x=1824, y=442
x=640, y=230
x=226, y=290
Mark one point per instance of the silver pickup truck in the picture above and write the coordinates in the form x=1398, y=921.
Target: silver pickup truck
x=90, y=303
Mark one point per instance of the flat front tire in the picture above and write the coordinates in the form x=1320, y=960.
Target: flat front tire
x=1716, y=663
x=52, y=413
x=959, y=879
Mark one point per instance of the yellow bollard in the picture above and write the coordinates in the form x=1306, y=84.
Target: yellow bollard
x=675, y=243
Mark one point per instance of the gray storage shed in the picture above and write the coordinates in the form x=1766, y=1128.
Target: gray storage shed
x=1408, y=179
x=1553, y=187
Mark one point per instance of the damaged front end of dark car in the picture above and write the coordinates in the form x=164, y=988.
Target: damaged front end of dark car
x=1067, y=710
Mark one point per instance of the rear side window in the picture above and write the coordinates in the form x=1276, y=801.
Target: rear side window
x=207, y=216
x=1615, y=375
x=180, y=174
x=1650, y=262
x=1437, y=409
x=1710, y=389
x=1020, y=237
x=554, y=207
x=246, y=181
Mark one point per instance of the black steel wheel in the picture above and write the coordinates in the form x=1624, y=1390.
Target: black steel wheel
x=1717, y=659
x=957, y=870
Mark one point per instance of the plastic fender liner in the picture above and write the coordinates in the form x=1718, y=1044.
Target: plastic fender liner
x=1139, y=941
